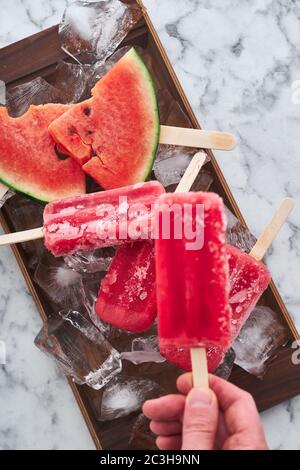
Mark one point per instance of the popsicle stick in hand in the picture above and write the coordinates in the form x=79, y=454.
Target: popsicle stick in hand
x=197, y=138
x=271, y=230
x=198, y=355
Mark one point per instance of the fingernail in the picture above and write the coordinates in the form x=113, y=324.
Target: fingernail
x=199, y=397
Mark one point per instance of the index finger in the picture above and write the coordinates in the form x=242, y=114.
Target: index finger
x=226, y=392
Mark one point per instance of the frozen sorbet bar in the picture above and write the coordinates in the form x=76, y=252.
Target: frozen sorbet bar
x=248, y=280
x=127, y=298
x=101, y=219
x=192, y=279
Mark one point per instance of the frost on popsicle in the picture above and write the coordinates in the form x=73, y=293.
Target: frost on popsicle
x=125, y=395
x=79, y=349
x=259, y=340
x=92, y=31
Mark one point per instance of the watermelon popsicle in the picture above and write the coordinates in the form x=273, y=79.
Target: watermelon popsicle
x=127, y=297
x=98, y=220
x=249, y=278
x=192, y=276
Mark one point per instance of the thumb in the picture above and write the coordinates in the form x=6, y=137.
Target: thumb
x=200, y=420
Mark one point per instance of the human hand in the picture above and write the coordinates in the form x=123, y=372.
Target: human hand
x=223, y=417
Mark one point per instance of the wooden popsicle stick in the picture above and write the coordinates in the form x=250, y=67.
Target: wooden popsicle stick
x=3, y=190
x=198, y=355
x=197, y=138
x=191, y=173
x=271, y=230
x=199, y=367
x=20, y=237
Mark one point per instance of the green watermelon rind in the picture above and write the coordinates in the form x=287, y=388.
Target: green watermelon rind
x=18, y=189
x=34, y=195
x=154, y=105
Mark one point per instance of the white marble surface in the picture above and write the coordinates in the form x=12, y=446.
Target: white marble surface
x=237, y=61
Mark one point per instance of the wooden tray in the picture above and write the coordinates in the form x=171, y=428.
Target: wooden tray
x=37, y=56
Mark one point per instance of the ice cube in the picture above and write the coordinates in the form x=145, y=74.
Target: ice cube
x=72, y=81
x=171, y=163
x=144, y=349
x=237, y=234
x=7, y=195
x=101, y=68
x=141, y=436
x=259, y=340
x=79, y=349
x=148, y=344
x=170, y=167
x=37, y=91
x=92, y=261
x=87, y=295
x=125, y=395
x=60, y=283
x=92, y=31
x=224, y=370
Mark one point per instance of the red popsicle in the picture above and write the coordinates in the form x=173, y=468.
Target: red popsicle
x=192, y=276
x=101, y=219
x=249, y=278
x=127, y=294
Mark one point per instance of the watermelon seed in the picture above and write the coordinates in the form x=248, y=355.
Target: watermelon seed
x=87, y=111
x=60, y=154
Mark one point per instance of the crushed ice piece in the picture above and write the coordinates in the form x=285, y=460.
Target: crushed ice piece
x=92, y=261
x=125, y=395
x=238, y=235
x=37, y=91
x=79, y=349
x=60, y=283
x=224, y=370
x=149, y=343
x=169, y=168
x=141, y=357
x=144, y=349
x=7, y=195
x=72, y=81
x=92, y=31
x=259, y=340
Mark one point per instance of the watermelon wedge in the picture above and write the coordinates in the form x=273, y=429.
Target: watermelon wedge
x=30, y=163
x=114, y=135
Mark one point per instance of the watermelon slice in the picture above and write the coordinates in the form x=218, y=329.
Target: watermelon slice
x=29, y=160
x=114, y=135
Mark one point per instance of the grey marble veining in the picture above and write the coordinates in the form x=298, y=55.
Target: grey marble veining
x=237, y=61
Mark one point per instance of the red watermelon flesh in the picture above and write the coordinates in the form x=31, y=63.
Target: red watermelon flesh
x=114, y=134
x=29, y=162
